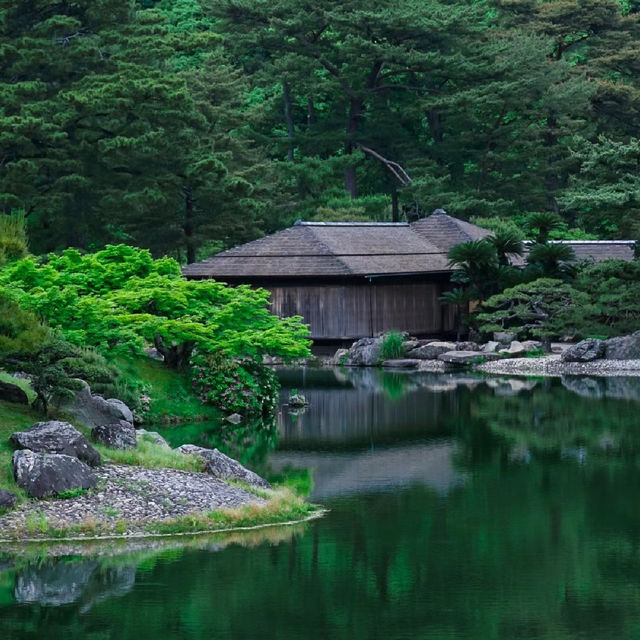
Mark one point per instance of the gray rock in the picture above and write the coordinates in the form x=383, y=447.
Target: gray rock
x=467, y=357
x=490, y=347
x=431, y=350
x=401, y=363
x=12, y=393
x=152, y=436
x=623, y=348
x=117, y=435
x=504, y=337
x=224, y=467
x=515, y=349
x=339, y=357
x=467, y=346
x=234, y=418
x=95, y=410
x=585, y=351
x=7, y=500
x=55, y=436
x=365, y=352
x=531, y=345
x=411, y=344
x=46, y=474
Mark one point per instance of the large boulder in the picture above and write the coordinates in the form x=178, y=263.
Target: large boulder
x=94, y=410
x=490, y=347
x=151, y=436
x=224, y=467
x=515, y=349
x=7, y=500
x=117, y=435
x=12, y=393
x=623, y=348
x=46, y=474
x=504, y=337
x=55, y=436
x=431, y=351
x=584, y=351
x=365, y=352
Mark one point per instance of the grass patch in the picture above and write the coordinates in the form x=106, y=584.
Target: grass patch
x=19, y=382
x=299, y=481
x=172, y=398
x=283, y=506
x=72, y=493
x=392, y=346
x=151, y=456
x=13, y=417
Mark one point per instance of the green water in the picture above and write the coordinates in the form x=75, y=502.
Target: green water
x=461, y=508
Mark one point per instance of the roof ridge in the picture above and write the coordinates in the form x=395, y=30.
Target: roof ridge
x=330, y=251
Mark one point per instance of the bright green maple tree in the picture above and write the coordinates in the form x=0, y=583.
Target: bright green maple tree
x=121, y=300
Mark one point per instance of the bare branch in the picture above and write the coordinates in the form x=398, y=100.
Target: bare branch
x=401, y=175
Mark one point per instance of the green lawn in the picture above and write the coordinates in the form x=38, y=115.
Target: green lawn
x=172, y=399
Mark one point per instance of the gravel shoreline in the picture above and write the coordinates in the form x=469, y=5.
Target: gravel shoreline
x=552, y=365
x=126, y=500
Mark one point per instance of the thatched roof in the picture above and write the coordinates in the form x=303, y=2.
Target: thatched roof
x=323, y=249
x=446, y=231
x=599, y=250
x=328, y=249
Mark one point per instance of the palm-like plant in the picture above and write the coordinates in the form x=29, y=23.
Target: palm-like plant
x=552, y=260
x=507, y=243
x=542, y=223
x=475, y=263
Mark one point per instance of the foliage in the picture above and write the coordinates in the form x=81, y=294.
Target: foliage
x=20, y=331
x=613, y=288
x=476, y=264
x=392, y=346
x=13, y=236
x=247, y=388
x=120, y=299
x=56, y=368
x=551, y=260
x=544, y=308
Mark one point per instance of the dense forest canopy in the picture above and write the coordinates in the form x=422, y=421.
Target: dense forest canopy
x=186, y=126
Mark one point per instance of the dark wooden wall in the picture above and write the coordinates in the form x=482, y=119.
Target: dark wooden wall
x=354, y=310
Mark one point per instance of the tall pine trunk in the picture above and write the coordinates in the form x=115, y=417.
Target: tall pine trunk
x=350, y=176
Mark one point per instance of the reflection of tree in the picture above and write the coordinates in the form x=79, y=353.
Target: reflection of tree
x=550, y=418
x=538, y=551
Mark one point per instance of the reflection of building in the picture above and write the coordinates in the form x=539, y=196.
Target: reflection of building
x=354, y=279
x=341, y=474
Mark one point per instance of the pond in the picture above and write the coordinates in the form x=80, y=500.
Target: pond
x=461, y=508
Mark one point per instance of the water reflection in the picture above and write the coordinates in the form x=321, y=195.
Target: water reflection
x=461, y=507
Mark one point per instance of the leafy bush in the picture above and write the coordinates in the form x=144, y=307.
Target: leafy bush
x=247, y=388
x=392, y=346
x=56, y=367
x=544, y=308
x=613, y=287
x=13, y=237
x=119, y=300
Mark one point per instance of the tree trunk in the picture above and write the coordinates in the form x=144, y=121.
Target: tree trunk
x=311, y=112
x=288, y=118
x=188, y=226
x=350, y=177
x=175, y=356
x=395, y=213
